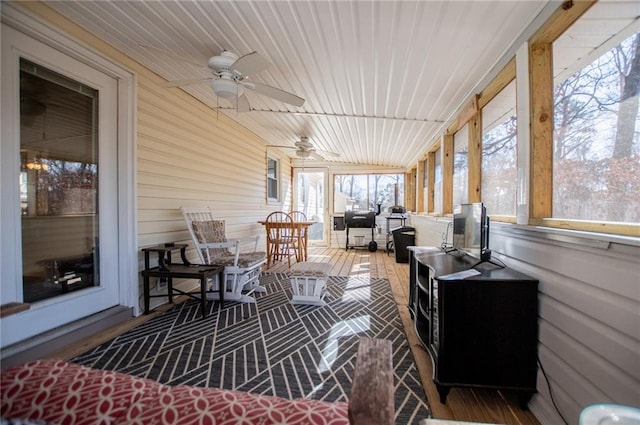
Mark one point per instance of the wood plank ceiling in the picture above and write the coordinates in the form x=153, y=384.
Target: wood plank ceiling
x=381, y=79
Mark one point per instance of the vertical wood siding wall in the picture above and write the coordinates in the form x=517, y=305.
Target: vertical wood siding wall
x=589, y=308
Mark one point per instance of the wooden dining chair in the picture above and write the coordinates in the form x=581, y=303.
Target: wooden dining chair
x=299, y=237
x=279, y=227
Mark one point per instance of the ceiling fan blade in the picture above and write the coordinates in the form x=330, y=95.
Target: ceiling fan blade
x=277, y=94
x=180, y=83
x=241, y=103
x=281, y=147
x=333, y=154
x=184, y=59
x=317, y=156
x=250, y=64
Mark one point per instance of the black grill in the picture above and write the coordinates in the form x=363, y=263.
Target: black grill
x=360, y=220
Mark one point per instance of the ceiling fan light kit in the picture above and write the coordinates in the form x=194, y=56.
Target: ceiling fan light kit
x=227, y=88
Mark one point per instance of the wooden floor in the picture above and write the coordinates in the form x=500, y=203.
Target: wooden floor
x=463, y=404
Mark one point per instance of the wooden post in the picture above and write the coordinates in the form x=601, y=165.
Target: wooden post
x=410, y=184
x=474, y=159
x=447, y=174
x=420, y=205
x=541, y=92
x=431, y=176
x=371, y=400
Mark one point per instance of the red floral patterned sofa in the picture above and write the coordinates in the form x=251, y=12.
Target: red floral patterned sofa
x=57, y=392
x=65, y=393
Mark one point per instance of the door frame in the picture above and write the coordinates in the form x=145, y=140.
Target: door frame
x=19, y=19
x=325, y=172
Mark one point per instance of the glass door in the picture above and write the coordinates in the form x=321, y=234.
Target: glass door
x=310, y=197
x=59, y=159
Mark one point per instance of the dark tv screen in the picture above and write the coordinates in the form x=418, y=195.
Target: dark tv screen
x=471, y=229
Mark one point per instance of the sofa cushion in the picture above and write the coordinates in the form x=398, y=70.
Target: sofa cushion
x=194, y=405
x=66, y=393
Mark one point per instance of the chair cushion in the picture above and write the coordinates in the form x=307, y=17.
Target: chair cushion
x=245, y=260
x=211, y=231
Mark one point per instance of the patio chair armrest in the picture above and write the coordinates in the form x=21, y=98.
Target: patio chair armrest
x=246, y=239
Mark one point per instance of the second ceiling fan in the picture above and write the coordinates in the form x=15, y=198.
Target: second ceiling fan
x=229, y=80
x=305, y=149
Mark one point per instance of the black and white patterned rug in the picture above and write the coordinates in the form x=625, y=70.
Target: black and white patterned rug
x=272, y=347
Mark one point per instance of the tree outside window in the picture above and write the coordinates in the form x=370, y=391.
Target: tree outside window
x=364, y=192
x=596, y=150
x=499, y=154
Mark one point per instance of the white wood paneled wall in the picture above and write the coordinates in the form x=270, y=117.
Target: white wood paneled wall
x=589, y=309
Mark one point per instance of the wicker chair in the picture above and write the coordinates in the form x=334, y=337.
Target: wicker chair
x=241, y=269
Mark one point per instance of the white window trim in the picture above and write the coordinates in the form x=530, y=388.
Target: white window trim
x=278, y=178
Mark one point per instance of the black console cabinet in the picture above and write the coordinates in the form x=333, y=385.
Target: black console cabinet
x=482, y=330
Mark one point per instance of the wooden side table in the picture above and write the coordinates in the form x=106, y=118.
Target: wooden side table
x=185, y=270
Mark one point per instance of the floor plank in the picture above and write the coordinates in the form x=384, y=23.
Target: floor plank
x=463, y=404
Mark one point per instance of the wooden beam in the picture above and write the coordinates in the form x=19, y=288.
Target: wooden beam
x=563, y=18
x=468, y=111
x=371, y=401
x=541, y=98
x=474, y=159
x=447, y=174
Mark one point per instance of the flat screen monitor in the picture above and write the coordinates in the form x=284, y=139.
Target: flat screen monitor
x=471, y=230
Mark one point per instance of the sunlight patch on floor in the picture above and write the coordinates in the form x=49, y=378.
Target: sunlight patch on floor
x=342, y=329
x=313, y=257
x=362, y=268
x=358, y=288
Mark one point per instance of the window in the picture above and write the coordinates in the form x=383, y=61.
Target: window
x=596, y=140
x=461, y=166
x=273, y=180
x=437, y=182
x=364, y=192
x=499, y=168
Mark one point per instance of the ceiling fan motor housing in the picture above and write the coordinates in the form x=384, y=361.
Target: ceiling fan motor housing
x=223, y=61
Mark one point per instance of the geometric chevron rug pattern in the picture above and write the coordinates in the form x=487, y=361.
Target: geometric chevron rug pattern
x=271, y=347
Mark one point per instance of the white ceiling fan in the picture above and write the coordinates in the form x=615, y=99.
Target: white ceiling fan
x=229, y=80
x=305, y=149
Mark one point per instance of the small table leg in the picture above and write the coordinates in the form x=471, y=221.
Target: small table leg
x=443, y=392
x=221, y=287
x=203, y=296
x=145, y=281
